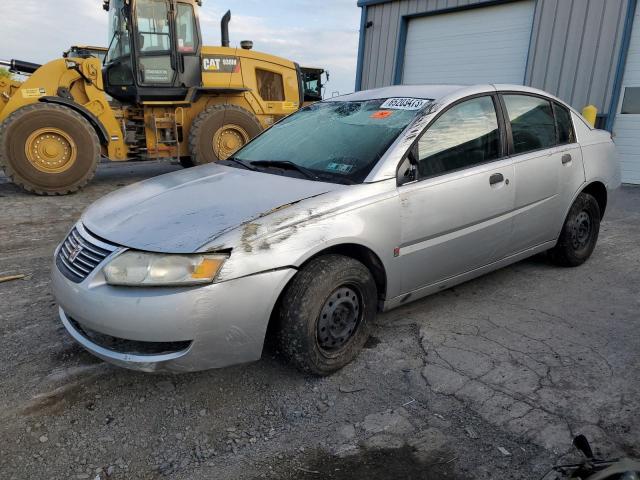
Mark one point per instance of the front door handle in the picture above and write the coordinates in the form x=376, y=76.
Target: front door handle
x=566, y=158
x=496, y=178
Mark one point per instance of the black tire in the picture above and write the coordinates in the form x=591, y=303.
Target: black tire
x=579, y=233
x=308, y=296
x=212, y=119
x=16, y=131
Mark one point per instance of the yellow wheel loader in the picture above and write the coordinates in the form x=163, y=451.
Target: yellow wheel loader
x=159, y=93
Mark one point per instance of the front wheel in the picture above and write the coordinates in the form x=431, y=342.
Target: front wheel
x=579, y=233
x=48, y=149
x=326, y=314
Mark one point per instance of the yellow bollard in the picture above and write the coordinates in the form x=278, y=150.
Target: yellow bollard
x=589, y=113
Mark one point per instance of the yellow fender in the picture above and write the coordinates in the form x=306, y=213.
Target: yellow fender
x=86, y=92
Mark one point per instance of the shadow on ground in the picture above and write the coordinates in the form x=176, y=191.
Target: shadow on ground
x=401, y=463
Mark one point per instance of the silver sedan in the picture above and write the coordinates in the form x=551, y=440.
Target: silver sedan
x=349, y=207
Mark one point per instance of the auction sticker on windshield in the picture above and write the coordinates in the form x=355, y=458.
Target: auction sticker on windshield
x=381, y=114
x=404, y=103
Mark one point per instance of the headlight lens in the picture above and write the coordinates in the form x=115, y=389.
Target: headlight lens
x=134, y=268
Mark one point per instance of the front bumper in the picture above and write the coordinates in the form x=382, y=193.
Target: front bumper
x=211, y=326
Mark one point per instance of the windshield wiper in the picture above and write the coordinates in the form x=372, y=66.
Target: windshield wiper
x=241, y=163
x=286, y=164
x=337, y=178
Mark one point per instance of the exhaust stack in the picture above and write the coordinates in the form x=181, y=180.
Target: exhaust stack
x=224, y=27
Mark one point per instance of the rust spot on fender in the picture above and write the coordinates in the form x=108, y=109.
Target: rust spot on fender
x=249, y=230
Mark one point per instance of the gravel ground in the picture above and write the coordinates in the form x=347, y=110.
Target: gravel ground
x=487, y=380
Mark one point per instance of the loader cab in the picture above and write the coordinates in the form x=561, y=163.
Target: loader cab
x=311, y=81
x=154, y=49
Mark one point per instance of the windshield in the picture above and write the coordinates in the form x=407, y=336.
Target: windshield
x=119, y=45
x=337, y=141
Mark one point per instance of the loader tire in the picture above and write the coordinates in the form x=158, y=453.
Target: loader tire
x=48, y=149
x=219, y=131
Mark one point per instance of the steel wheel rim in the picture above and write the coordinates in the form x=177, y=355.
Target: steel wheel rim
x=339, y=318
x=228, y=139
x=581, y=232
x=51, y=150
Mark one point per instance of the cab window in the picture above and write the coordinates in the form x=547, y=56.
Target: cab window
x=532, y=123
x=465, y=135
x=270, y=86
x=153, y=26
x=186, y=29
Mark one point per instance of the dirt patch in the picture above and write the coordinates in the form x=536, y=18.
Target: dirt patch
x=54, y=402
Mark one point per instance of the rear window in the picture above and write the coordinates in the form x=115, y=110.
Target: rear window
x=341, y=140
x=532, y=123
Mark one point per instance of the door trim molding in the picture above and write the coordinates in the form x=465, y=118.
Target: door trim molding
x=458, y=279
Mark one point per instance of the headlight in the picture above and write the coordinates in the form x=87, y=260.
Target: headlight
x=161, y=270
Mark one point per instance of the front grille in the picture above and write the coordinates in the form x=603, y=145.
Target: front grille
x=81, y=253
x=131, y=347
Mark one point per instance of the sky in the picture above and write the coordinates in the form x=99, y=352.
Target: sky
x=311, y=32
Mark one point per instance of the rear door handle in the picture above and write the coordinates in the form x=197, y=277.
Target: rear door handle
x=566, y=158
x=496, y=178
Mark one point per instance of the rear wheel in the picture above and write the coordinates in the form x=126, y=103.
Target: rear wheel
x=48, y=149
x=326, y=314
x=219, y=131
x=579, y=233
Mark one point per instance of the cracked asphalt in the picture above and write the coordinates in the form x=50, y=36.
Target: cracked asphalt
x=490, y=379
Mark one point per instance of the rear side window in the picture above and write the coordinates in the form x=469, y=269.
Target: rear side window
x=532, y=123
x=564, y=124
x=270, y=86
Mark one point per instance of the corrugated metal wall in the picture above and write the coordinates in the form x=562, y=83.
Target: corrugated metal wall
x=573, y=53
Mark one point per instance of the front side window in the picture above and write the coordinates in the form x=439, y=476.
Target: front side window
x=564, y=124
x=153, y=26
x=465, y=135
x=532, y=123
x=186, y=26
x=339, y=142
x=270, y=86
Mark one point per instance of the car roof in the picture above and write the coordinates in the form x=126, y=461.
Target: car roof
x=433, y=92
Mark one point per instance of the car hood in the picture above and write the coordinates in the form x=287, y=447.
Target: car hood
x=182, y=211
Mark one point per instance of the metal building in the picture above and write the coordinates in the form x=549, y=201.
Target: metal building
x=583, y=51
